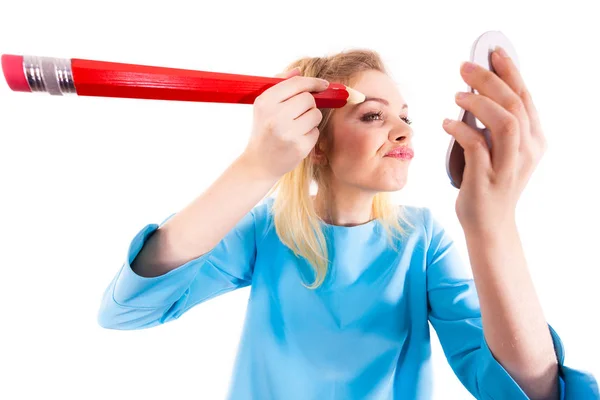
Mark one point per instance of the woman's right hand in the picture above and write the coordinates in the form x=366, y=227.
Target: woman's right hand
x=285, y=124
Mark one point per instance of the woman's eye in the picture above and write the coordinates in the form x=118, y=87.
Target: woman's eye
x=371, y=117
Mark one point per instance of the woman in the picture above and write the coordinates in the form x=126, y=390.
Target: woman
x=379, y=272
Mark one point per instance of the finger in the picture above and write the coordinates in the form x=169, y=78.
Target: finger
x=494, y=87
x=509, y=73
x=307, y=121
x=288, y=74
x=311, y=137
x=504, y=128
x=292, y=86
x=297, y=105
x=473, y=142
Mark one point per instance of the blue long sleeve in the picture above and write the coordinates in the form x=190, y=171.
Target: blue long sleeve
x=132, y=301
x=454, y=313
x=364, y=334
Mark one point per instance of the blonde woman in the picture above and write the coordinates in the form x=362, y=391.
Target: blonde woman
x=345, y=283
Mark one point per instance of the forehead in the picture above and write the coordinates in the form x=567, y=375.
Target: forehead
x=378, y=84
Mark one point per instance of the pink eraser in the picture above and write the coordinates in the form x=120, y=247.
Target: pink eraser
x=12, y=66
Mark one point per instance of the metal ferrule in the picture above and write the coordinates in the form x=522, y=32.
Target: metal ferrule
x=50, y=75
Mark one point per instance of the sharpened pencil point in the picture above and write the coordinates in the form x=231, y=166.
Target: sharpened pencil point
x=354, y=96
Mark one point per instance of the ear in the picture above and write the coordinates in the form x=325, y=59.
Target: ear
x=318, y=154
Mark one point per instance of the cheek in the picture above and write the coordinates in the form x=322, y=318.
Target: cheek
x=357, y=157
x=357, y=143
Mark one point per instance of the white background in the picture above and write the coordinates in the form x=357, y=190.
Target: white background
x=80, y=176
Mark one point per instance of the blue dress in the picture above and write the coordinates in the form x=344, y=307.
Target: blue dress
x=363, y=334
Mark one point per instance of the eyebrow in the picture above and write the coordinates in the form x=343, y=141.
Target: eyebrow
x=384, y=101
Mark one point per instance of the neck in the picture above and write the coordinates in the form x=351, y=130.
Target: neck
x=344, y=208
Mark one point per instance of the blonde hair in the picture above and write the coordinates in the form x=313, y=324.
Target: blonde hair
x=296, y=221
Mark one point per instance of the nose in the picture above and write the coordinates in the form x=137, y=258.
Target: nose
x=401, y=132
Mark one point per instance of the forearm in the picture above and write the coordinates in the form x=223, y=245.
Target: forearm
x=514, y=325
x=200, y=226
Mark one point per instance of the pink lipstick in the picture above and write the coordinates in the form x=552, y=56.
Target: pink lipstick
x=402, y=152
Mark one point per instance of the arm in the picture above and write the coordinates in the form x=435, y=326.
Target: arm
x=163, y=276
x=455, y=314
x=210, y=247
x=285, y=129
x=202, y=224
x=513, y=321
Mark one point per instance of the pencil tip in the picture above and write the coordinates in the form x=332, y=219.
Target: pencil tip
x=354, y=96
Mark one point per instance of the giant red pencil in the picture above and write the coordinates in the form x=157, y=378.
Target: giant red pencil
x=109, y=79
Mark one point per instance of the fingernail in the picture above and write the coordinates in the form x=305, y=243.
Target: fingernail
x=325, y=83
x=467, y=66
x=447, y=121
x=460, y=95
x=501, y=52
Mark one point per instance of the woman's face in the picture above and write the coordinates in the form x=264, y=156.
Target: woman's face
x=360, y=136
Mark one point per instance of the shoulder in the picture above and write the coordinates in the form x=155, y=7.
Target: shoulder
x=263, y=217
x=416, y=215
x=264, y=209
x=424, y=221
x=420, y=215
x=412, y=210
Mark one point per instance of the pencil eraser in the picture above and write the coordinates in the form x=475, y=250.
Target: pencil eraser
x=12, y=67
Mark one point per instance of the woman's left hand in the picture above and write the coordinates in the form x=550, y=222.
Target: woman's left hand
x=493, y=180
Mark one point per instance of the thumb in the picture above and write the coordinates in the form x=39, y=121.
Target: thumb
x=289, y=74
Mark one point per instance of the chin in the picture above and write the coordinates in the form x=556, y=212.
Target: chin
x=393, y=188
x=396, y=185
x=388, y=186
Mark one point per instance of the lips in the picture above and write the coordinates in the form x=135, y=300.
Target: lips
x=402, y=152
